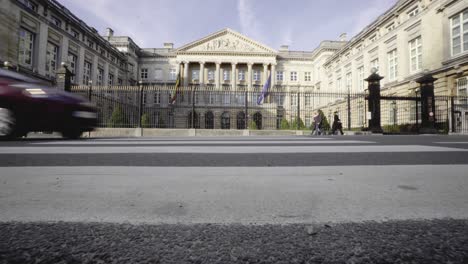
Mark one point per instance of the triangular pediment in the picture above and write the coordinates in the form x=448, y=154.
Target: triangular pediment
x=226, y=41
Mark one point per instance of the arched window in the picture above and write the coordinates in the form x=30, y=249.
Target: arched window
x=196, y=120
x=225, y=121
x=257, y=118
x=209, y=120
x=241, y=120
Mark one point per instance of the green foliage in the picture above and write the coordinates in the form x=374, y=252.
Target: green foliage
x=298, y=124
x=252, y=125
x=325, y=123
x=117, y=118
x=145, y=122
x=284, y=124
x=400, y=129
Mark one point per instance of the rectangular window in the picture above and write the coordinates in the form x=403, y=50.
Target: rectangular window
x=157, y=97
x=144, y=74
x=195, y=75
x=349, y=81
x=462, y=86
x=158, y=74
x=373, y=38
x=339, y=84
x=360, y=71
x=413, y=12
x=100, y=76
x=307, y=77
x=392, y=65
x=119, y=81
x=279, y=76
x=87, y=73
x=173, y=74
x=307, y=100
x=375, y=64
x=26, y=48
x=256, y=76
x=110, y=79
x=293, y=76
x=90, y=44
x=211, y=75
x=415, y=54
x=459, y=33
x=241, y=75
x=56, y=21
x=293, y=99
x=52, y=54
x=73, y=60
x=226, y=75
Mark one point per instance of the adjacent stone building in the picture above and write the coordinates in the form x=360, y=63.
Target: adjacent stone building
x=411, y=38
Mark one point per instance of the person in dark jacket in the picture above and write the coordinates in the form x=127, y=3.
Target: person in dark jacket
x=337, y=125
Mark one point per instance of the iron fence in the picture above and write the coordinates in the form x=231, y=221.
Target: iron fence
x=210, y=108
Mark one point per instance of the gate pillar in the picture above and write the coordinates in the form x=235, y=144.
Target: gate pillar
x=374, y=101
x=427, y=104
x=63, y=77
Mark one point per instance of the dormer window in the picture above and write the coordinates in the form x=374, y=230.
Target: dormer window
x=57, y=22
x=75, y=34
x=413, y=11
x=390, y=27
x=31, y=5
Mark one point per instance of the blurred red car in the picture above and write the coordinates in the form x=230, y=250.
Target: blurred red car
x=28, y=105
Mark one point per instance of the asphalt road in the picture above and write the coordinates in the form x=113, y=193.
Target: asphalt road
x=352, y=199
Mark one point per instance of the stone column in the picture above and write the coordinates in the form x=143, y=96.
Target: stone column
x=265, y=73
x=249, y=75
x=233, y=76
x=186, y=69
x=273, y=75
x=217, y=75
x=105, y=78
x=202, y=73
x=42, y=46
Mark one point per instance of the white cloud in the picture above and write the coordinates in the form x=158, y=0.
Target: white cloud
x=250, y=26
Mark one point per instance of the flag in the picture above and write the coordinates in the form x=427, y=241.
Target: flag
x=264, y=90
x=176, y=90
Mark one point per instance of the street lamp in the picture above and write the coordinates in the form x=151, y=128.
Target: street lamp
x=6, y=64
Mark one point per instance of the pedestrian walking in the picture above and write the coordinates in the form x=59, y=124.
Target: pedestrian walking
x=337, y=125
x=317, y=124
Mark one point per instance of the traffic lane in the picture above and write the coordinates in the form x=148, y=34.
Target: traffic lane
x=227, y=195
x=234, y=160
x=423, y=241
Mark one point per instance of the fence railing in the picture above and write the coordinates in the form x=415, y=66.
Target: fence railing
x=208, y=108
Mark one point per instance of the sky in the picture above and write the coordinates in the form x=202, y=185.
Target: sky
x=301, y=24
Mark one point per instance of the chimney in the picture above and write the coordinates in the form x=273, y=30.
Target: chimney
x=168, y=45
x=284, y=48
x=109, y=32
x=344, y=37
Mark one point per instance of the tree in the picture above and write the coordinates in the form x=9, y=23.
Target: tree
x=284, y=124
x=117, y=118
x=252, y=125
x=296, y=122
x=145, y=122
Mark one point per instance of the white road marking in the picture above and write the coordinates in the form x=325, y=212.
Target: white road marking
x=223, y=149
x=451, y=142
x=233, y=194
x=211, y=142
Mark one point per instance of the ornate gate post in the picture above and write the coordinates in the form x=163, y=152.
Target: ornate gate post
x=427, y=104
x=374, y=101
x=63, y=77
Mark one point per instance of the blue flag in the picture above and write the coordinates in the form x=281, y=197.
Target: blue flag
x=264, y=90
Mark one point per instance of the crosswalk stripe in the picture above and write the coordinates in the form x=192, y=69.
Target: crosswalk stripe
x=212, y=142
x=223, y=149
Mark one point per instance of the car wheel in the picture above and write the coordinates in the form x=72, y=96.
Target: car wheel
x=7, y=123
x=72, y=133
